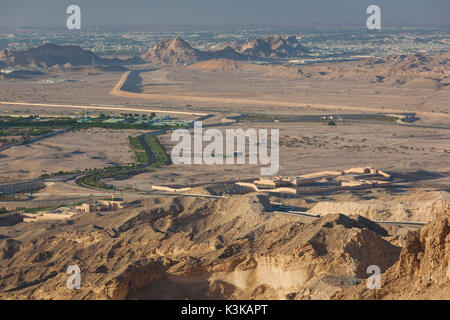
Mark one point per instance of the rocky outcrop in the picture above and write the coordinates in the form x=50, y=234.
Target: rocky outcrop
x=171, y=52
x=422, y=210
x=275, y=47
x=177, y=51
x=185, y=248
x=49, y=55
x=10, y=219
x=423, y=268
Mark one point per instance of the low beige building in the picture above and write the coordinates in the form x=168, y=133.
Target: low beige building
x=363, y=177
x=102, y=205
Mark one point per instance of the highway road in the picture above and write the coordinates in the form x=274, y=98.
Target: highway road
x=95, y=107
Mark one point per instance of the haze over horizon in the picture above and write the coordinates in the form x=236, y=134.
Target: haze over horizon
x=51, y=13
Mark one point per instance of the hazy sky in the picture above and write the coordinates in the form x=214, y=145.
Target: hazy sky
x=15, y=13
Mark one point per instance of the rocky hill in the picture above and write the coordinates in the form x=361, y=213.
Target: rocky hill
x=186, y=248
x=49, y=55
x=274, y=47
x=177, y=51
x=171, y=52
x=402, y=208
x=423, y=268
x=192, y=248
x=165, y=53
x=414, y=71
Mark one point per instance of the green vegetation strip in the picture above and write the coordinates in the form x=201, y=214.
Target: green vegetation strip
x=36, y=210
x=162, y=158
x=124, y=121
x=94, y=180
x=24, y=131
x=139, y=151
x=142, y=157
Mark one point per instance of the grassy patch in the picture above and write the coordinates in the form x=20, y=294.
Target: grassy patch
x=93, y=180
x=14, y=131
x=141, y=156
x=35, y=210
x=135, y=143
x=139, y=151
x=162, y=158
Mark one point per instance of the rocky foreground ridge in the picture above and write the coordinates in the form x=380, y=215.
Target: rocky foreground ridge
x=185, y=248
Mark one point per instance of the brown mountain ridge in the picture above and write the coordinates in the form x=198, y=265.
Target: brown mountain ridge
x=50, y=54
x=164, y=53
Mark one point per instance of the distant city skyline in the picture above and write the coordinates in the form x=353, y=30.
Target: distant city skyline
x=51, y=13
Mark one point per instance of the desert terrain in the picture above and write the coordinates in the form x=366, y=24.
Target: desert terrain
x=366, y=86
x=219, y=241
x=187, y=248
x=68, y=152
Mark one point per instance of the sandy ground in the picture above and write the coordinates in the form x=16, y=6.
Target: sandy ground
x=306, y=148
x=93, y=91
x=186, y=237
x=274, y=89
x=268, y=91
x=80, y=149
